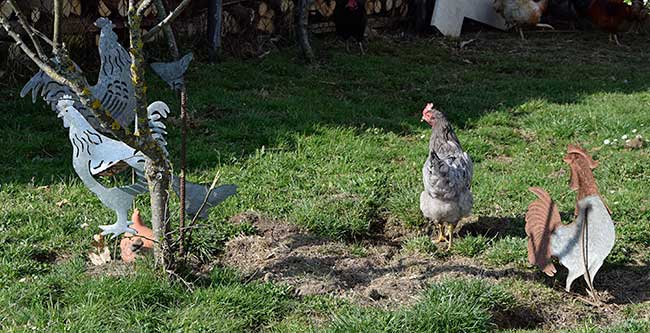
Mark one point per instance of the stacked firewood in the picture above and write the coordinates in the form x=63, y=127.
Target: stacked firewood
x=239, y=16
x=322, y=10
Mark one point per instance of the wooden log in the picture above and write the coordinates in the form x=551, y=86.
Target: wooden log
x=373, y=23
x=229, y=24
x=123, y=8
x=262, y=9
x=103, y=9
x=265, y=24
x=66, y=8
x=378, y=6
x=285, y=5
x=36, y=15
x=388, y=5
x=370, y=7
x=151, y=11
x=325, y=7
x=397, y=3
x=404, y=10
x=6, y=10
x=75, y=7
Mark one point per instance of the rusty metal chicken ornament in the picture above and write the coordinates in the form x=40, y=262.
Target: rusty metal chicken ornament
x=581, y=246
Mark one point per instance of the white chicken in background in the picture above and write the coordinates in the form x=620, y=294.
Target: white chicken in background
x=519, y=13
x=447, y=176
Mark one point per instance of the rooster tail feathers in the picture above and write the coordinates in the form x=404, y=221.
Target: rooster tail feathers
x=542, y=218
x=195, y=195
x=156, y=112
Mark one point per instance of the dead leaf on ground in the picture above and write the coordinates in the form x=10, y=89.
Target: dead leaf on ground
x=62, y=203
x=101, y=258
x=636, y=143
x=102, y=254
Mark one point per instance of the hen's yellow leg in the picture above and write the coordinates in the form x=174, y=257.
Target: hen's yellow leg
x=450, y=233
x=441, y=234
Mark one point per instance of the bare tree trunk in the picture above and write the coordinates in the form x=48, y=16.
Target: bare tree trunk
x=215, y=19
x=158, y=178
x=156, y=169
x=302, y=22
x=173, y=48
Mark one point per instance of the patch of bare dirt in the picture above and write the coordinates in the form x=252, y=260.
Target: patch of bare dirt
x=115, y=268
x=382, y=275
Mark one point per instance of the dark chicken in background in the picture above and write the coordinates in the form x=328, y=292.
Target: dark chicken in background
x=609, y=15
x=350, y=20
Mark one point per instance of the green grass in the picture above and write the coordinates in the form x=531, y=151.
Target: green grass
x=507, y=250
x=419, y=244
x=449, y=306
x=336, y=148
x=470, y=246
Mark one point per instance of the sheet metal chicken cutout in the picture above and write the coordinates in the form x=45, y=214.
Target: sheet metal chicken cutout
x=114, y=87
x=95, y=153
x=581, y=246
x=172, y=72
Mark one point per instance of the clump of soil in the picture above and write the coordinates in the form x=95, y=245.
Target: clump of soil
x=377, y=272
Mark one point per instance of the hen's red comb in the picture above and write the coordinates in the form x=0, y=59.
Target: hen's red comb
x=428, y=108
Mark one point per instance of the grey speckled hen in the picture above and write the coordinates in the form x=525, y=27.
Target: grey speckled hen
x=447, y=176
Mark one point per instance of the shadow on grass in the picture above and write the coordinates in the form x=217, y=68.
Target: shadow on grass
x=494, y=227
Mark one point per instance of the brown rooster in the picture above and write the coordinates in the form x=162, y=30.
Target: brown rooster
x=519, y=13
x=608, y=15
x=581, y=246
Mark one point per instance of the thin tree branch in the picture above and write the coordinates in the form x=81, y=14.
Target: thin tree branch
x=33, y=56
x=137, y=67
x=166, y=21
x=143, y=6
x=43, y=37
x=56, y=35
x=169, y=33
x=28, y=29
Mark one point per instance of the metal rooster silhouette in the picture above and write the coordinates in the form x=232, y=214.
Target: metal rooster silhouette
x=95, y=153
x=581, y=246
x=114, y=87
